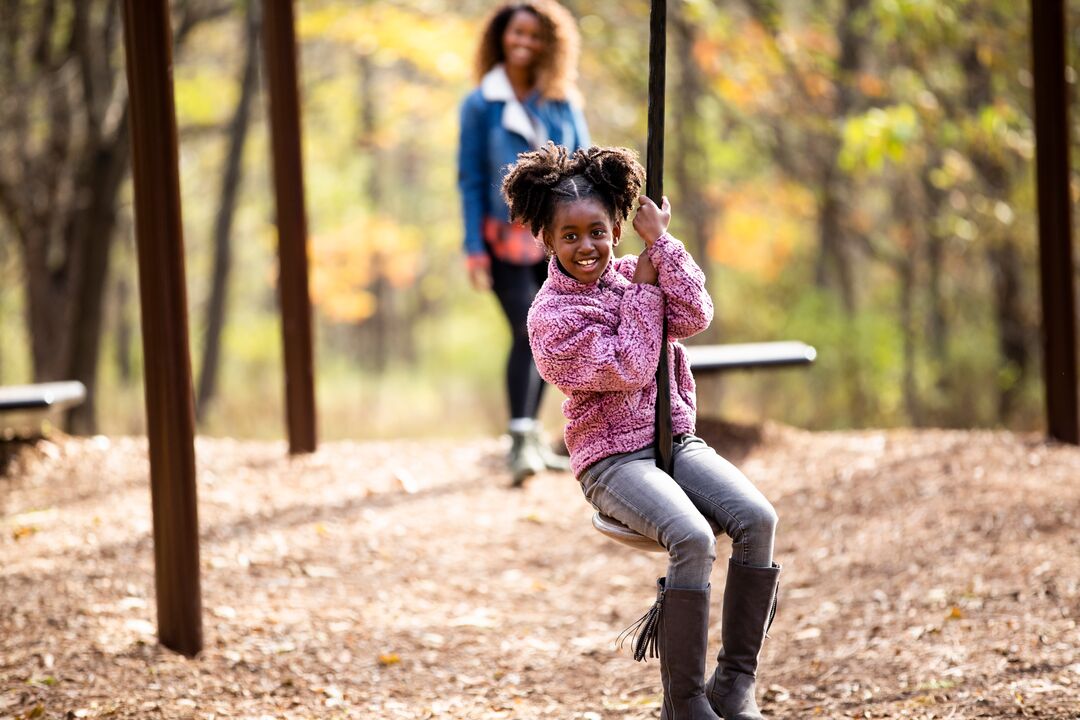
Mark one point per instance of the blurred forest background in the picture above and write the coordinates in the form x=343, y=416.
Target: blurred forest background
x=856, y=174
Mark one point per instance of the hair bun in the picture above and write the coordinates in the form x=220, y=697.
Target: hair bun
x=529, y=183
x=542, y=177
x=616, y=174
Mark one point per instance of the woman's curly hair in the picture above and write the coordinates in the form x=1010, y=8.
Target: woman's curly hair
x=541, y=179
x=556, y=75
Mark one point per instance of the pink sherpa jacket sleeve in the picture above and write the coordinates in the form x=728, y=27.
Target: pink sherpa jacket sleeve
x=577, y=347
x=689, y=307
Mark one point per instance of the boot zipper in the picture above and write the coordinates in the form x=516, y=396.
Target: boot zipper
x=772, y=610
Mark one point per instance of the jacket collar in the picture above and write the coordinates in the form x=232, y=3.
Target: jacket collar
x=563, y=281
x=495, y=87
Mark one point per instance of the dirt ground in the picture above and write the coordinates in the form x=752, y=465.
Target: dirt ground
x=927, y=574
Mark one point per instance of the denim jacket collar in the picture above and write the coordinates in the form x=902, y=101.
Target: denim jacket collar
x=496, y=87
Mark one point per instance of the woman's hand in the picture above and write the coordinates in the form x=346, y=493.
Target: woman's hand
x=645, y=272
x=650, y=222
x=480, y=277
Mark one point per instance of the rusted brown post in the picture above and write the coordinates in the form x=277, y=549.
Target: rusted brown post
x=279, y=51
x=170, y=416
x=1055, y=220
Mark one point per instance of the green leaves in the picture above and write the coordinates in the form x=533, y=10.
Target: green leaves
x=878, y=136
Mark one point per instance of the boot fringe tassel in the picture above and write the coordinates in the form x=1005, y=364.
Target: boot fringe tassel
x=644, y=632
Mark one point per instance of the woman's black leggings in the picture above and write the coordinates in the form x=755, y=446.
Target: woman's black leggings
x=516, y=286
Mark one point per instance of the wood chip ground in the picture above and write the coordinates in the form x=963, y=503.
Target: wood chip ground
x=927, y=574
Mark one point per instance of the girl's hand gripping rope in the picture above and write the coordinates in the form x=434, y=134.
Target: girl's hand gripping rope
x=650, y=222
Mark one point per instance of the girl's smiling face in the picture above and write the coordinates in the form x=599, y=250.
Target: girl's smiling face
x=583, y=234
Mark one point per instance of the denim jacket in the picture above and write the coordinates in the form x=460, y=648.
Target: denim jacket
x=495, y=128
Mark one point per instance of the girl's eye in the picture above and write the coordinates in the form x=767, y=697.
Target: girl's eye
x=570, y=237
x=598, y=233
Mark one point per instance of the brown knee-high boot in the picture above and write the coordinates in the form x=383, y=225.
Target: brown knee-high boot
x=677, y=630
x=749, y=607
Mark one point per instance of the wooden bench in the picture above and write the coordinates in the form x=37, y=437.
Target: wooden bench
x=24, y=408
x=708, y=359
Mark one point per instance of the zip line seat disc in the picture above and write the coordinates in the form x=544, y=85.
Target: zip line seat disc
x=615, y=530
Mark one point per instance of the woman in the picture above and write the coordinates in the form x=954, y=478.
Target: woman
x=526, y=66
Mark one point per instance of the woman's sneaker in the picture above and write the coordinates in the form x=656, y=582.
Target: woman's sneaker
x=525, y=458
x=551, y=459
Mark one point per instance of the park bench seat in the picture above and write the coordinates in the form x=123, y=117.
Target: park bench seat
x=748, y=356
x=23, y=408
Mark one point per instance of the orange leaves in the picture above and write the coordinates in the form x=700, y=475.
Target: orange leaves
x=753, y=69
x=761, y=226
x=347, y=262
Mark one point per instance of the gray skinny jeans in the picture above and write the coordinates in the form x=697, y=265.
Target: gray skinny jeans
x=677, y=511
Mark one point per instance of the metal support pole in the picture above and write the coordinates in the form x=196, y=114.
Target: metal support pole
x=1055, y=220
x=279, y=51
x=170, y=416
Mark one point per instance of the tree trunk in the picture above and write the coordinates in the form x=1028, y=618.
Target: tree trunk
x=375, y=332
x=123, y=330
x=833, y=243
x=1015, y=343
x=110, y=166
x=230, y=188
x=60, y=181
x=689, y=163
x=1013, y=337
x=909, y=210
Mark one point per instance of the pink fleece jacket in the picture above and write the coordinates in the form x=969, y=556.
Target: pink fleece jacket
x=600, y=344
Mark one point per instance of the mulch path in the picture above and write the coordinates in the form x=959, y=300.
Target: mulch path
x=927, y=574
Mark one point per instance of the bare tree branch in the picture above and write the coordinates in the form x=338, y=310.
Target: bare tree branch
x=9, y=207
x=192, y=13
x=43, y=43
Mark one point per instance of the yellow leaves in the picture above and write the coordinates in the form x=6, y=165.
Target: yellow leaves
x=761, y=226
x=347, y=261
x=204, y=96
x=430, y=43
x=880, y=135
x=389, y=659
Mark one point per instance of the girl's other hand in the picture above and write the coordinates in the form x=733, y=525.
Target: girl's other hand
x=480, y=277
x=650, y=222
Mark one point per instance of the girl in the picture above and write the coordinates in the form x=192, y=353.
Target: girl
x=595, y=329
x=526, y=66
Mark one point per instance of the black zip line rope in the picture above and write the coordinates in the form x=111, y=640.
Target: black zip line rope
x=654, y=189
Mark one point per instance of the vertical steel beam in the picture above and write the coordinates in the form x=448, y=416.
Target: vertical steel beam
x=279, y=51
x=1055, y=220
x=170, y=417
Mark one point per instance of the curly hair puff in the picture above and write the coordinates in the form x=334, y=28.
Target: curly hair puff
x=541, y=179
x=556, y=73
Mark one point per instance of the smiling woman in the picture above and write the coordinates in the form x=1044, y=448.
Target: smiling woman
x=527, y=96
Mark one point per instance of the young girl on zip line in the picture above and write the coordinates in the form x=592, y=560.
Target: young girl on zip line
x=596, y=329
